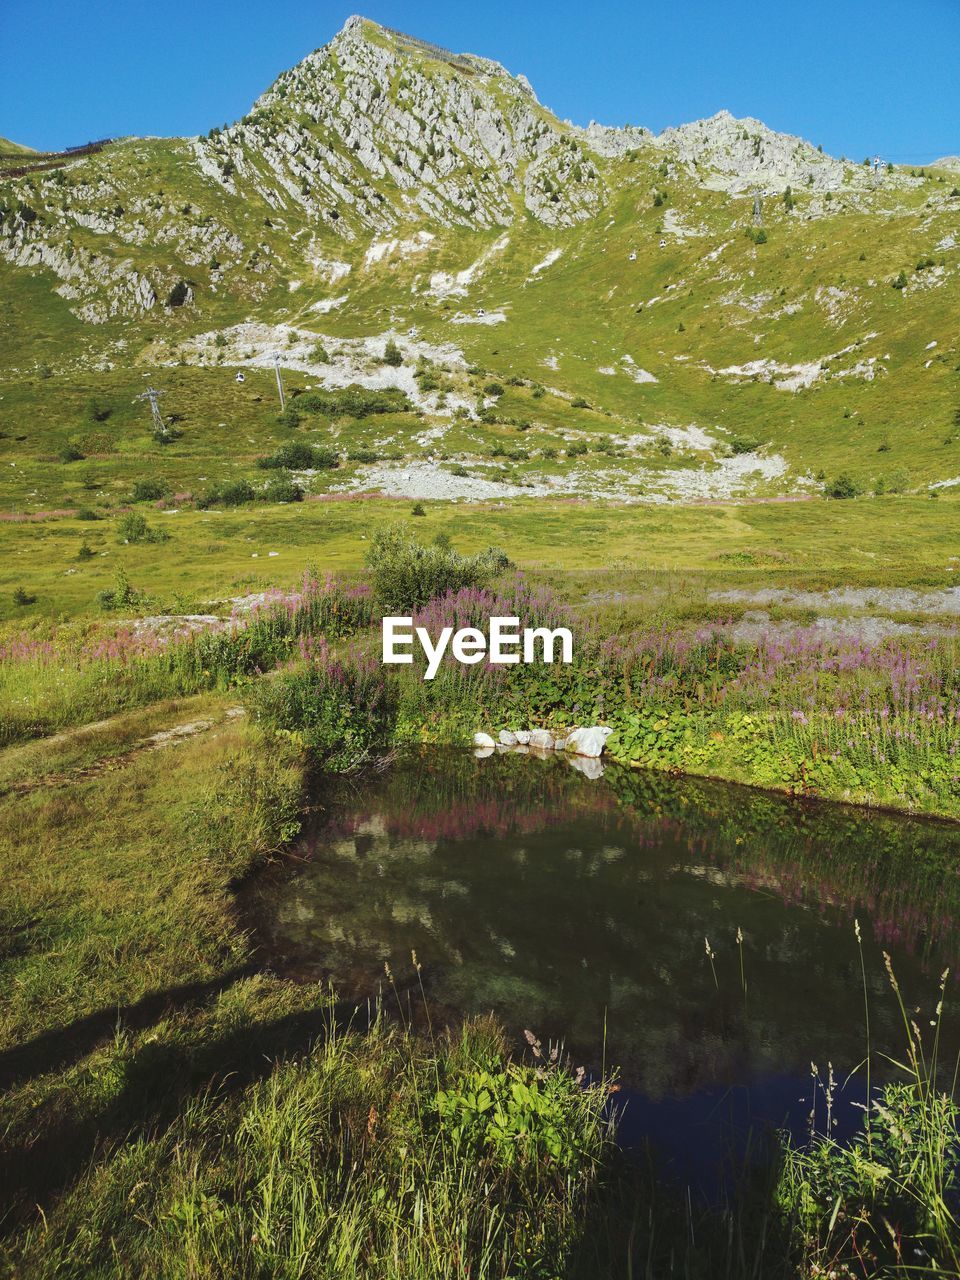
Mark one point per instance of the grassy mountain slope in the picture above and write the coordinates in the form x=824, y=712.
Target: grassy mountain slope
x=654, y=335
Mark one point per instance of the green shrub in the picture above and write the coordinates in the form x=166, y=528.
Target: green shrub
x=353, y=402
x=281, y=489
x=900, y=281
x=148, y=490
x=744, y=444
x=301, y=456
x=133, y=528
x=843, y=486
x=363, y=454
x=407, y=574
x=493, y=389
x=343, y=710
x=235, y=493
x=70, y=453
x=578, y=402
x=121, y=596
x=23, y=597
x=392, y=355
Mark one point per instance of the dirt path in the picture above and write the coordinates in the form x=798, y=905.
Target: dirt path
x=163, y=738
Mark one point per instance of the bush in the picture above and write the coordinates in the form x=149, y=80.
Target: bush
x=343, y=710
x=578, y=402
x=282, y=489
x=363, y=454
x=407, y=574
x=122, y=596
x=23, y=597
x=232, y=494
x=900, y=281
x=319, y=354
x=418, y=509
x=301, y=456
x=493, y=389
x=843, y=486
x=148, y=490
x=86, y=552
x=577, y=450
x=744, y=444
x=354, y=402
x=70, y=453
x=392, y=354
x=133, y=528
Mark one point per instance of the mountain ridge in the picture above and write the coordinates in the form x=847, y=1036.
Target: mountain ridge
x=715, y=282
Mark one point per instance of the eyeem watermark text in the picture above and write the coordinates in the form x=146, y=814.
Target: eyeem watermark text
x=505, y=645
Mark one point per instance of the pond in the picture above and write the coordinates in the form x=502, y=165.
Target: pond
x=697, y=938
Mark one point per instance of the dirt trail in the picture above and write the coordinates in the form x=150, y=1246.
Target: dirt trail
x=169, y=737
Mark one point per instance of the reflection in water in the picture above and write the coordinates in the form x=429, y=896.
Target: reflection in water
x=581, y=909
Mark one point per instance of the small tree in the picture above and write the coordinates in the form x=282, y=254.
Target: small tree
x=392, y=354
x=843, y=486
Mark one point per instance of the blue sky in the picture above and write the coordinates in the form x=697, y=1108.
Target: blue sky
x=859, y=77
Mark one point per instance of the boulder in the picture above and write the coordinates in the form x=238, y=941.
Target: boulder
x=522, y=736
x=542, y=738
x=588, y=742
x=507, y=738
x=483, y=740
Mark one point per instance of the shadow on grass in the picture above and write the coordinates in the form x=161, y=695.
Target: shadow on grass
x=61, y=1047
x=41, y=1159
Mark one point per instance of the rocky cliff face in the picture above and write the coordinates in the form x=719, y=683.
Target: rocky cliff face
x=376, y=126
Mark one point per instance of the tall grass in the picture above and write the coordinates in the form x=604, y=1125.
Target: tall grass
x=887, y=1203
x=382, y=1155
x=49, y=682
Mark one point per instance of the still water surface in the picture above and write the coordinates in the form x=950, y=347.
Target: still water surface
x=582, y=909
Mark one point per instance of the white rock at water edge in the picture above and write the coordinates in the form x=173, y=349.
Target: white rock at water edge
x=542, y=738
x=483, y=740
x=588, y=742
x=522, y=736
x=507, y=738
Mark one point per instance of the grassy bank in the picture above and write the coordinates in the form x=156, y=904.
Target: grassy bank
x=169, y=1112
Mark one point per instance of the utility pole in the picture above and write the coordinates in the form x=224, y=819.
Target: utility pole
x=153, y=395
x=276, y=365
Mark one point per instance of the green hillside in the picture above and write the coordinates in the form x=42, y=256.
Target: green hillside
x=716, y=313
x=8, y=148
